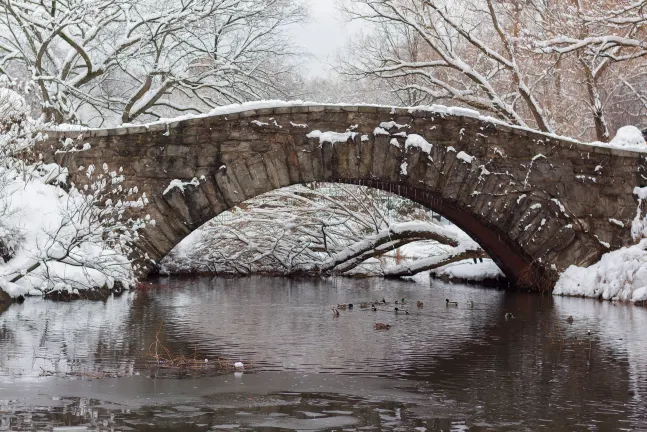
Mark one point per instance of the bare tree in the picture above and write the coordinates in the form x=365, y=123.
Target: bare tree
x=145, y=59
x=527, y=62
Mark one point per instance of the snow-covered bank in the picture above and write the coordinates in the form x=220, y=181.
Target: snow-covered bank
x=53, y=240
x=466, y=271
x=620, y=275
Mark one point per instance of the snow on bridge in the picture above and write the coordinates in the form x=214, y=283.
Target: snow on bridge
x=536, y=203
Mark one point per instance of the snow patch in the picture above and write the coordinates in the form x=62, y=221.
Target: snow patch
x=403, y=168
x=629, y=137
x=392, y=125
x=468, y=271
x=465, y=157
x=177, y=183
x=332, y=137
x=415, y=140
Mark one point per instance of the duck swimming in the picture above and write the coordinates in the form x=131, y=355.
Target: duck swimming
x=381, y=326
x=569, y=319
x=450, y=303
x=509, y=315
x=420, y=304
x=470, y=303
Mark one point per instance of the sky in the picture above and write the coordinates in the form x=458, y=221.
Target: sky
x=324, y=35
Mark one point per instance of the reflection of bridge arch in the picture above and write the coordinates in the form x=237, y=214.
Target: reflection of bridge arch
x=535, y=203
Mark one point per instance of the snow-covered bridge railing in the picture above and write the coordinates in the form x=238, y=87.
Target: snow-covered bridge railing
x=535, y=203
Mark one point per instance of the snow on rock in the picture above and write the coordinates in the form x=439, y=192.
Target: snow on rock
x=639, y=224
x=177, y=183
x=619, y=275
x=629, y=137
x=392, y=125
x=640, y=192
x=403, y=168
x=465, y=157
x=466, y=270
x=415, y=140
x=332, y=137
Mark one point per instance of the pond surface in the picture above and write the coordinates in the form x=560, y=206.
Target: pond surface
x=92, y=365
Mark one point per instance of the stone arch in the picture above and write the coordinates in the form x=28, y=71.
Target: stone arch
x=535, y=203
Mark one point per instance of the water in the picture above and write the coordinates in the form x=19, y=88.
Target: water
x=88, y=366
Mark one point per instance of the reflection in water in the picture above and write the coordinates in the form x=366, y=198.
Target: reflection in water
x=480, y=370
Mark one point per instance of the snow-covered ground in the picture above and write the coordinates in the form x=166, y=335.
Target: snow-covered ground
x=467, y=271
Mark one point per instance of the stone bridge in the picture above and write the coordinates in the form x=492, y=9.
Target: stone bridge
x=534, y=202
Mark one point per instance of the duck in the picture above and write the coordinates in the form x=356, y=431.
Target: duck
x=350, y=305
x=470, y=303
x=569, y=319
x=509, y=315
x=402, y=300
x=381, y=326
x=420, y=304
x=450, y=303
x=396, y=302
x=363, y=305
x=341, y=306
x=396, y=310
x=374, y=309
x=383, y=300
x=406, y=312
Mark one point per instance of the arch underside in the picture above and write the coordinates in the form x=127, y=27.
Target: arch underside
x=513, y=261
x=534, y=203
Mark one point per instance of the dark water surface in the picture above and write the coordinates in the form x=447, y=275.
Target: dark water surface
x=88, y=366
